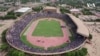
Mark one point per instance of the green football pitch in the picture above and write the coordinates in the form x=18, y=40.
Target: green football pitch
x=48, y=28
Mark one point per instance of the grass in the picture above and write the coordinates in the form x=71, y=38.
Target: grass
x=57, y=47
x=52, y=25
x=24, y=40
x=48, y=29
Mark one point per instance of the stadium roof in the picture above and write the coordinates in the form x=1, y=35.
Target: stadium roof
x=82, y=29
x=22, y=10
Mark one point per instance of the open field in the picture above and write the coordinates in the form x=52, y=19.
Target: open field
x=48, y=29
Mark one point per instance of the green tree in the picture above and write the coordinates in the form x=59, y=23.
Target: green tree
x=64, y=10
x=73, y=53
x=87, y=12
x=10, y=17
x=90, y=37
x=37, y=9
x=11, y=13
x=14, y=52
x=77, y=53
x=84, y=50
x=81, y=53
x=4, y=36
x=69, y=54
x=4, y=47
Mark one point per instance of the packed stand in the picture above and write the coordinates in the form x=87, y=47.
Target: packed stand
x=13, y=34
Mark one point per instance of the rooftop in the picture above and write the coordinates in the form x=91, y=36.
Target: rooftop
x=22, y=10
x=82, y=29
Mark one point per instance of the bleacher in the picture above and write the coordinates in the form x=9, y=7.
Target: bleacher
x=13, y=34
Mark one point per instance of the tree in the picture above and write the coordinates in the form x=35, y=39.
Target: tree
x=10, y=17
x=68, y=54
x=77, y=53
x=81, y=53
x=63, y=10
x=84, y=50
x=73, y=53
x=37, y=9
x=11, y=13
x=4, y=36
x=18, y=14
x=4, y=47
x=90, y=37
x=86, y=12
x=14, y=52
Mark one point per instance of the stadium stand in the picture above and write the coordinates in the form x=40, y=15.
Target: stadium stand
x=13, y=34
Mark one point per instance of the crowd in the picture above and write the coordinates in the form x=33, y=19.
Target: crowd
x=13, y=34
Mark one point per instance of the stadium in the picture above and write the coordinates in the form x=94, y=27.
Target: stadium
x=47, y=33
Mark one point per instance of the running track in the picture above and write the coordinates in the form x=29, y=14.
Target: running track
x=47, y=41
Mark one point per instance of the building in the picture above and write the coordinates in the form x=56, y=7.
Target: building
x=49, y=9
x=88, y=17
x=75, y=11
x=24, y=10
